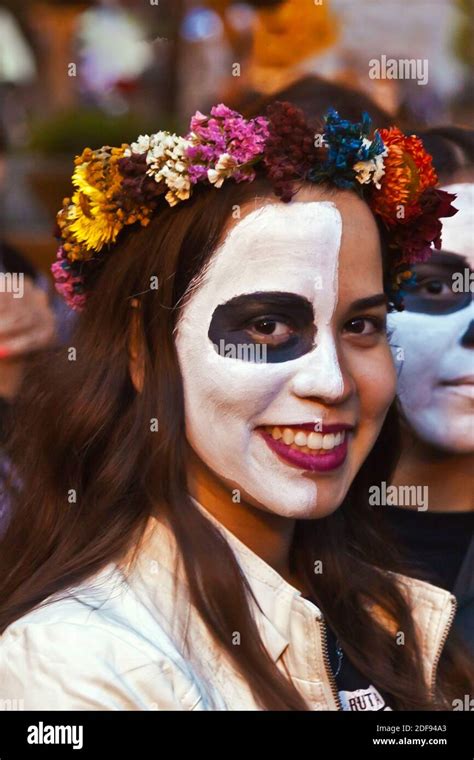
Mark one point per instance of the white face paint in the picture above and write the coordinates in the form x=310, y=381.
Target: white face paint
x=458, y=230
x=436, y=381
x=292, y=249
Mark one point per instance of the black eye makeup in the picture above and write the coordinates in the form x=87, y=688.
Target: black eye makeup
x=440, y=285
x=264, y=326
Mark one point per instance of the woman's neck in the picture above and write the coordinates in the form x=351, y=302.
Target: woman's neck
x=448, y=476
x=268, y=535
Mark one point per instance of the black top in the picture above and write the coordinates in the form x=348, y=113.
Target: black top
x=355, y=690
x=356, y=693
x=434, y=543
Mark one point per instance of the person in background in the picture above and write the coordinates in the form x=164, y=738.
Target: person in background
x=436, y=391
x=437, y=544
x=27, y=325
x=315, y=95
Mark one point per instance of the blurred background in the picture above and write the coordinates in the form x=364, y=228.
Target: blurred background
x=92, y=73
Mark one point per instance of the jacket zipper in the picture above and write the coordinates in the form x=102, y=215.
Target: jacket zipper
x=441, y=645
x=329, y=673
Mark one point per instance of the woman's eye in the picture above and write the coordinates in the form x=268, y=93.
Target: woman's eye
x=435, y=293
x=269, y=330
x=364, y=326
x=434, y=288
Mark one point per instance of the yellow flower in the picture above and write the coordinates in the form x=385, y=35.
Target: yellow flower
x=91, y=223
x=99, y=207
x=93, y=217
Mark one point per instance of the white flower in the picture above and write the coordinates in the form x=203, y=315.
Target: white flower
x=179, y=189
x=142, y=145
x=223, y=169
x=167, y=162
x=371, y=170
x=215, y=178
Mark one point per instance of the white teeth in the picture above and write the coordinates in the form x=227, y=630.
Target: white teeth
x=276, y=433
x=301, y=438
x=315, y=441
x=328, y=441
x=309, y=441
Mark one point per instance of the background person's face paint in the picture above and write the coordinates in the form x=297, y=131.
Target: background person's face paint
x=436, y=332
x=274, y=281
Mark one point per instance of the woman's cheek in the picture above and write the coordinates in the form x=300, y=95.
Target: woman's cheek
x=367, y=366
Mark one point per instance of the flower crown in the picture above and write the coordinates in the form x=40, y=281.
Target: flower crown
x=117, y=187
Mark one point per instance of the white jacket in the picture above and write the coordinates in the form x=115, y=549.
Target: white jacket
x=117, y=642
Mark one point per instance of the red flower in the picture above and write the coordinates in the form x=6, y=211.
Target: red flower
x=408, y=173
x=289, y=150
x=415, y=239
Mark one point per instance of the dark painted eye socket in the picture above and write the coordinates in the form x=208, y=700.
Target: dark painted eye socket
x=442, y=286
x=282, y=324
x=270, y=330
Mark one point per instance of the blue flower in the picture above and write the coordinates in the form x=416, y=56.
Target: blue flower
x=401, y=285
x=347, y=142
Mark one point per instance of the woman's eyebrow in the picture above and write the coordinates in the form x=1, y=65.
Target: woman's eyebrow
x=273, y=297
x=380, y=299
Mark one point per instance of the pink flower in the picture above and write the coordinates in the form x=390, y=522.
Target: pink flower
x=224, y=133
x=67, y=281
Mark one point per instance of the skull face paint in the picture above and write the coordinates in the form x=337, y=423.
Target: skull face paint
x=436, y=332
x=273, y=282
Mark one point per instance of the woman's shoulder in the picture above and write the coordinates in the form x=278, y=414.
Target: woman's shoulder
x=95, y=648
x=418, y=591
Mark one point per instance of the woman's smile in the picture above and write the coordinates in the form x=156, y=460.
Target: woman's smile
x=309, y=449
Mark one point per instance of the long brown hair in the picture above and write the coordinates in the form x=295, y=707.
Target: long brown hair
x=83, y=430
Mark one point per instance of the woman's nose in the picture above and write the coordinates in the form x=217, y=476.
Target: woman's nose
x=320, y=374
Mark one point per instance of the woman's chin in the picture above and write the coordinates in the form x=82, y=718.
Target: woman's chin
x=324, y=499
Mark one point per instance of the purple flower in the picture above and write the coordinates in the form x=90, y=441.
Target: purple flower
x=225, y=131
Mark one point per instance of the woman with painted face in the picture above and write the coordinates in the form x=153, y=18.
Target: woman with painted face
x=435, y=338
x=193, y=529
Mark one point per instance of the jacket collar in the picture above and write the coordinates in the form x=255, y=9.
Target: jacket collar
x=432, y=607
x=272, y=595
